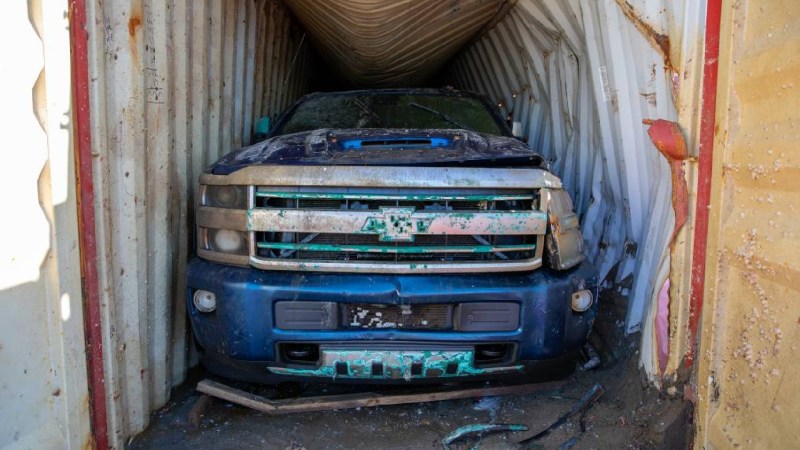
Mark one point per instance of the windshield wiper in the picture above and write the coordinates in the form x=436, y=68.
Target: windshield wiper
x=440, y=115
x=366, y=109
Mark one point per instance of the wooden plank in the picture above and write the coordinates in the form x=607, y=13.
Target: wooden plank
x=361, y=399
x=198, y=409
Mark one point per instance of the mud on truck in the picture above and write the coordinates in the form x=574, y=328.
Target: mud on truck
x=388, y=236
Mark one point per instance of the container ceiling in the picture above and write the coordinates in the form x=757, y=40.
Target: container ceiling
x=389, y=42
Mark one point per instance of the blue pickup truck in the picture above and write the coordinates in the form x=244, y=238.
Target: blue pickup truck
x=388, y=236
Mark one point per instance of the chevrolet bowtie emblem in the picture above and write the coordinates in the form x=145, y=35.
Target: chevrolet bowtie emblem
x=396, y=225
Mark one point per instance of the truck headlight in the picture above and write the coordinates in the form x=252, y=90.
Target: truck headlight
x=226, y=241
x=564, y=241
x=223, y=196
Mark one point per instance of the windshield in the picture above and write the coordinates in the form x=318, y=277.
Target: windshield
x=390, y=110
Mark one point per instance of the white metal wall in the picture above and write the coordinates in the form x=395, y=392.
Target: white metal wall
x=43, y=386
x=175, y=85
x=581, y=76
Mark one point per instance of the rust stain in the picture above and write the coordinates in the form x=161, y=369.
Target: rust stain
x=134, y=23
x=658, y=40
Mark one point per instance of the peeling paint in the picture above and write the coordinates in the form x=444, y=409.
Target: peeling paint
x=394, y=365
x=668, y=140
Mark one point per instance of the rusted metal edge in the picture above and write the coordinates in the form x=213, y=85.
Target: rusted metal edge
x=660, y=42
x=388, y=176
x=397, y=268
x=81, y=116
x=704, y=171
x=361, y=400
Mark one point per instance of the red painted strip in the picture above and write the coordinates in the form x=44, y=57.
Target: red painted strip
x=88, y=241
x=707, y=125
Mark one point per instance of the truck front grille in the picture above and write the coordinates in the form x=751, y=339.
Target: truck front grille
x=385, y=230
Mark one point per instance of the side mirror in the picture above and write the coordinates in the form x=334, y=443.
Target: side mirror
x=516, y=129
x=262, y=129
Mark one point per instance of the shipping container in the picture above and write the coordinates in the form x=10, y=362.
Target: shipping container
x=162, y=89
x=173, y=86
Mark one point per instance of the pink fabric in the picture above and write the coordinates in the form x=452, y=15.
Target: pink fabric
x=662, y=326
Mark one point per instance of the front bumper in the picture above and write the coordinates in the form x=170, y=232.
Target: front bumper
x=241, y=341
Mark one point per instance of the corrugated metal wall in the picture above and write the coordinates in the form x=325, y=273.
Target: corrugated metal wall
x=174, y=86
x=581, y=76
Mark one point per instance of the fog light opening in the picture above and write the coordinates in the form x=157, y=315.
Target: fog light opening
x=491, y=354
x=205, y=301
x=582, y=300
x=300, y=353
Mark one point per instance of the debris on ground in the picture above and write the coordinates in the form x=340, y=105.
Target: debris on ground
x=591, y=396
x=592, y=358
x=479, y=430
x=361, y=399
x=198, y=409
x=490, y=405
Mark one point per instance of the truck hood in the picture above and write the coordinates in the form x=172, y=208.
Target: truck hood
x=383, y=147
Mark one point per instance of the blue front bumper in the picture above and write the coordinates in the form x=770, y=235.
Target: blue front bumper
x=240, y=340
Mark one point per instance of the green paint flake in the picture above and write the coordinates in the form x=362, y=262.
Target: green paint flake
x=396, y=364
x=421, y=249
